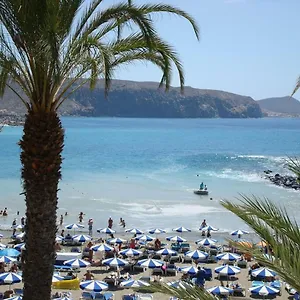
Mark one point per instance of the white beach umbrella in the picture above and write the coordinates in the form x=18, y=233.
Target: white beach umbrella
x=181, y=229
x=81, y=238
x=197, y=255
x=228, y=270
x=20, y=246
x=116, y=241
x=263, y=290
x=166, y=251
x=77, y=263
x=239, y=232
x=59, y=239
x=131, y=252
x=156, y=231
x=150, y=263
x=228, y=256
x=20, y=236
x=208, y=227
x=106, y=230
x=93, y=285
x=220, y=290
x=134, y=231
x=189, y=270
x=176, y=238
x=15, y=298
x=134, y=283
x=206, y=242
x=115, y=262
x=144, y=238
x=10, y=278
x=2, y=246
x=7, y=259
x=263, y=272
x=56, y=278
x=102, y=248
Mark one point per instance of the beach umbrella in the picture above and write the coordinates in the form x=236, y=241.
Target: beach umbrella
x=1, y=236
x=59, y=239
x=208, y=227
x=15, y=298
x=18, y=227
x=134, y=231
x=189, y=270
x=115, y=262
x=263, y=272
x=94, y=285
x=10, y=252
x=102, y=247
x=176, y=238
x=2, y=246
x=81, y=238
x=166, y=251
x=20, y=246
x=74, y=226
x=130, y=252
x=227, y=270
x=56, y=278
x=10, y=278
x=228, y=256
x=263, y=290
x=197, y=255
x=20, y=236
x=181, y=229
x=106, y=230
x=144, y=238
x=239, y=232
x=64, y=298
x=7, y=259
x=179, y=284
x=206, y=242
x=150, y=263
x=77, y=263
x=220, y=290
x=156, y=231
x=116, y=241
x=134, y=283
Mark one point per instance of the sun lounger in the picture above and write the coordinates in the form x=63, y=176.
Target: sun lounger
x=67, y=284
x=145, y=278
x=175, y=258
x=171, y=270
x=242, y=263
x=18, y=291
x=86, y=296
x=145, y=297
x=157, y=271
x=129, y=297
x=187, y=259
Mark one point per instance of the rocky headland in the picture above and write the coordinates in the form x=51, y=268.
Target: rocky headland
x=286, y=181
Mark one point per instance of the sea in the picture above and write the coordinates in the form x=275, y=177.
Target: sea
x=145, y=170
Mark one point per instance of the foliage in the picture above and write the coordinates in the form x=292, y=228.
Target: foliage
x=47, y=46
x=281, y=234
x=296, y=87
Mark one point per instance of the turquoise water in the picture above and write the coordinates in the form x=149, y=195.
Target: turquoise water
x=145, y=170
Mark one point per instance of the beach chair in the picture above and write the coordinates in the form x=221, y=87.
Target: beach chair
x=105, y=296
x=242, y=263
x=18, y=292
x=86, y=296
x=171, y=270
x=145, y=297
x=129, y=297
x=145, y=278
x=208, y=274
x=157, y=271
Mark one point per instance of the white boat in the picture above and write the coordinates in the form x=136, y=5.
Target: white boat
x=201, y=192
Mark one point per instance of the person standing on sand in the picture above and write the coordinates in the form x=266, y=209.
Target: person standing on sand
x=61, y=220
x=81, y=217
x=90, y=224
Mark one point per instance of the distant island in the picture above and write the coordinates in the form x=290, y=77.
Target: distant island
x=280, y=107
x=145, y=100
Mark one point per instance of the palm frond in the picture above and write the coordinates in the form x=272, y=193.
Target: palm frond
x=293, y=165
x=296, y=87
x=280, y=233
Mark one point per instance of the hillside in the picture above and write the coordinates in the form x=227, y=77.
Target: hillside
x=280, y=106
x=144, y=99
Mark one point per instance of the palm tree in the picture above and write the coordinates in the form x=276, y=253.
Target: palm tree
x=50, y=48
x=280, y=233
x=296, y=87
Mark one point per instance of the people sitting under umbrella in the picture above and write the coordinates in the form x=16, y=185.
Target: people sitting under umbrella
x=71, y=275
x=88, y=275
x=157, y=244
x=14, y=268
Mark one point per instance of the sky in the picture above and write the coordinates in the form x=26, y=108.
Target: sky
x=248, y=47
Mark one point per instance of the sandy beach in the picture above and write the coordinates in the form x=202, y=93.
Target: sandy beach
x=100, y=273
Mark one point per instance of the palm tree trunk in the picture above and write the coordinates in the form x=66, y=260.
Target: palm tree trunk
x=41, y=147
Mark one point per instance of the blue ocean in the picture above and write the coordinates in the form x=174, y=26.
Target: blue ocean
x=145, y=170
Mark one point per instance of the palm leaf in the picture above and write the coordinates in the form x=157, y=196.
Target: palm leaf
x=296, y=87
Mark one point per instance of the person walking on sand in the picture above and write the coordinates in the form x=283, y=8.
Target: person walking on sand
x=61, y=220
x=90, y=224
x=81, y=217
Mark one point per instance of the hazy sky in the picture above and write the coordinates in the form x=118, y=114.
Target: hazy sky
x=249, y=47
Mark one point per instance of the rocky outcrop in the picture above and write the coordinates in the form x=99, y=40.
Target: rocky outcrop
x=144, y=99
x=285, y=181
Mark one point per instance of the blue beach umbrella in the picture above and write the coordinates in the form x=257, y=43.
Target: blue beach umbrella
x=7, y=259
x=179, y=284
x=15, y=298
x=134, y=283
x=20, y=246
x=189, y=270
x=74, y=226
x=130, y=252
x=263, y=290
x=115, y=262
x=144, y=238
x=10, y=278
x=228, y=256
x=56, y=278
x=10, y=252
x=263, y=272
x=93, y=285
x=20, y=236
x=81, y=238
x=206, y=242
x=208, y=227
x=239, y=232
x=166, y=251
x=134, y=231
x=176, y=238
x=106, y=230
x=77, y=263
x=2, y=246
x=102, y=247
x=156, y=231
x=181, y=229
x=64, y=298
x=220, y=290
x=227, y=270
x=116, y=241
x=150, y=263
x=197, y=255
x=59, y=239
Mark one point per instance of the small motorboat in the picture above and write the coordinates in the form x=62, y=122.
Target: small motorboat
x=201, y=192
